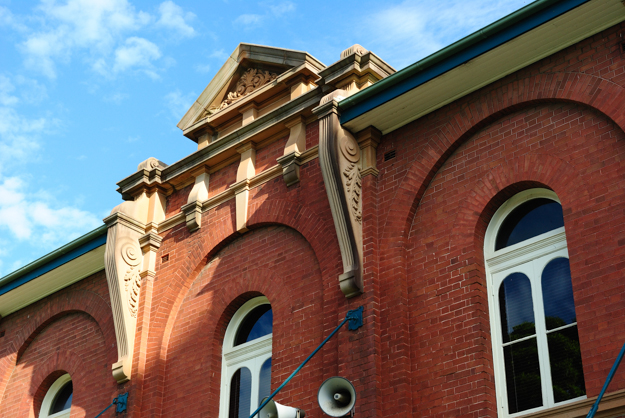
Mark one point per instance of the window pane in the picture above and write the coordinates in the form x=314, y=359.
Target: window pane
x=565, y=359
x=256, y=324
x=558, y=293
x=530, y=219
x=516, y=308
x=63, y=399
x=522, y=376
x=264, y=388
x=240, y=393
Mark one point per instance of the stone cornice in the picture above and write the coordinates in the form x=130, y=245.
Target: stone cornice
x=367, y=63
x=258, y=180
x=223, y=148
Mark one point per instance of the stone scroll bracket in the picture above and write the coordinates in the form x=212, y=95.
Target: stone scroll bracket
x=247, y=170
x=129, y=256
x=199, y=193
x=123, y=262
x=295, y=146
x=340, y=162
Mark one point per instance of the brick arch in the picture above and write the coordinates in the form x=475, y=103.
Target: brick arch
x=504, y=181
x=56, y=306
x=269, y=212
x=54, y=366
x=599, y=94
x=65, y=303
x=202, y=246
x=240, y=289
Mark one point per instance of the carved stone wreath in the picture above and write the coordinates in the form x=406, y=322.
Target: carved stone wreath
x=251, y=80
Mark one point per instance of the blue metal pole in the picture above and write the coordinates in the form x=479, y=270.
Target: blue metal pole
x=355, y=315
x=595, y=406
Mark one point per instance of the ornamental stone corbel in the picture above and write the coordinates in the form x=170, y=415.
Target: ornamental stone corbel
x=295, y=146
x=199, y=193
x=128, y=256
x=123, y=259
x=339, y=159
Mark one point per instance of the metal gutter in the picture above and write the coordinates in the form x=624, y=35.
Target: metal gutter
x=454, y=55
x=56, y=258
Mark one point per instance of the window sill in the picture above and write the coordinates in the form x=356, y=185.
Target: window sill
x=612, y=404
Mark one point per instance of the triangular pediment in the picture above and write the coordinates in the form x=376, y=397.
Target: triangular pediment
x=249, y=68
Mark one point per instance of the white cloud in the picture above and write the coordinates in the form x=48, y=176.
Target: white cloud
x=179, y=103
x=274, y=10
x=24, y=213
x=278, y=9
x=249, y=19
x=174, y=18
x=11, y=21
x=19, y=135
x=95, y=26
x=136, y=53
x=203, y=69
x=411, y=30
x=116, y=97
x=6, y=88
x=99, y=28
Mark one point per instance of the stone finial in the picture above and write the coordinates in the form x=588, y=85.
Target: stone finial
x=150, y=164
x=354, y=49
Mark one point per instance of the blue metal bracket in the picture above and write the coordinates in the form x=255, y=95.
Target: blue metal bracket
x=355, y=319
x=122, y=402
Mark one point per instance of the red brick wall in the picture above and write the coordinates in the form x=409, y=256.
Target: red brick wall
x=176, y=200
x=222, y=179
x=68, y=332
x=266, y=157
x=557, y=124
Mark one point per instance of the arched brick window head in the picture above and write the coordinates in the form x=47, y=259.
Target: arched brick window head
x=246, y=361
x=536, y=350
x=58, y=400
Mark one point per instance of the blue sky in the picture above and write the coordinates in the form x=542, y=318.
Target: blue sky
x=90, y=88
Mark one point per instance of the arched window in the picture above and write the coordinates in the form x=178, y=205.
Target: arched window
x=534, y=328
x=246, y=361
x=58, y=400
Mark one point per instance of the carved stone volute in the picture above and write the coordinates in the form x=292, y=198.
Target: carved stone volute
x=339, y=158
x=123, y=261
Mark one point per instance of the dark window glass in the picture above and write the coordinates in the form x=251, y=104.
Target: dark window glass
x=558, y=293
x=522, y=376
x=264, y=388
x=63, y=399
x=516, y=307
x=240, y=393
x=565, y=359
x=530, y=219
x=256, y=324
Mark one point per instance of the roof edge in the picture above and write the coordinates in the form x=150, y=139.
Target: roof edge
x=530, y=11
x=56, y=258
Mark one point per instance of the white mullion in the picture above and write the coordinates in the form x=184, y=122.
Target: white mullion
x=255, y=370
x=541, y=333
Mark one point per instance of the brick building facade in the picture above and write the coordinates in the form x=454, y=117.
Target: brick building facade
x=321, y=189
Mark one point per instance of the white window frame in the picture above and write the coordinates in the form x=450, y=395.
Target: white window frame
x=528, y=257
x=250, y=354
x=50, y=397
